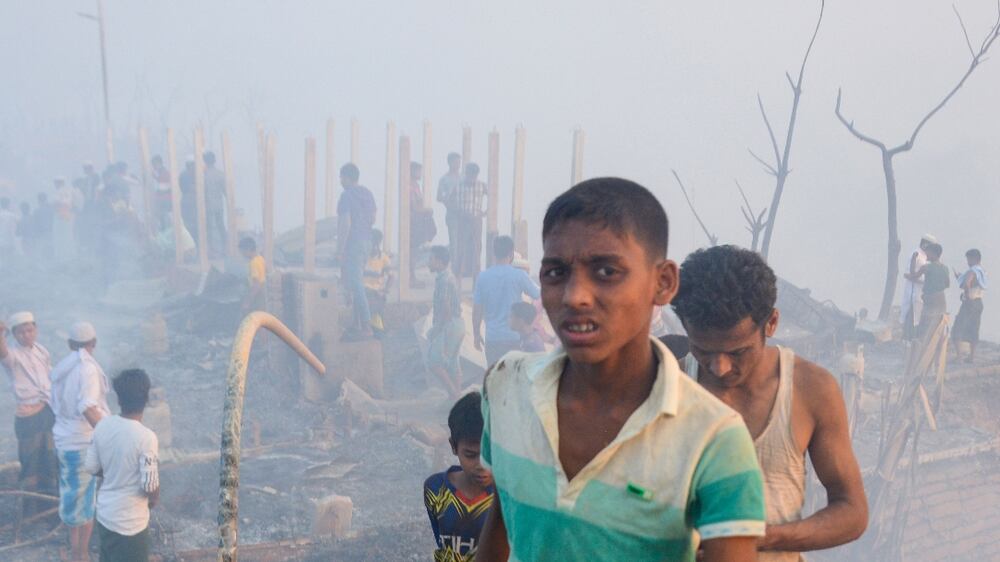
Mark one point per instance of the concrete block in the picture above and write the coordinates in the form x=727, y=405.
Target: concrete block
x=358, y=362
x=333, y=516
x=157, y=417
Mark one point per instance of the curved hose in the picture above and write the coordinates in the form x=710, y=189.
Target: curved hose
x=232, y=422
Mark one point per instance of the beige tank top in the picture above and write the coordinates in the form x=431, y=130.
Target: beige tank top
x=783, y=466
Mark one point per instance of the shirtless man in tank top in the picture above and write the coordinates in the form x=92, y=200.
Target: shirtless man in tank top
x=790, y=405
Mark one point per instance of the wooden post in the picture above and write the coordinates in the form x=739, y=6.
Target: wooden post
x=232, y=228
x=330, y=185
x=576, y=174
x=388, y=220
x=269, y=201
x=199, y=190
x=466, y=147
x=109, y=141
x=175, y=199
x=492, y=193
x=309, y=243
x=355, y=141
x=427, y=180
x=517, y=202
x=404, y=216
x=148, y=187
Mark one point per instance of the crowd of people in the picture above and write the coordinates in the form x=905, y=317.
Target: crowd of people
x=68, y=439
x=925, y=302
x=619, y=445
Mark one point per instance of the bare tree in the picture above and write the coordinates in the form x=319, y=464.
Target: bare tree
x=755, y=221
x=712, y=239
x=892, y=262
x=780, y=169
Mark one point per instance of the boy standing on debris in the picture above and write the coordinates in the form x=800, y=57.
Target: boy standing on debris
x=444, y=341
x=496, y=290
x=459, y=499
x=79, y=400
x=936, y=279
x=355, y=217
x=605, y=451
x=126, y=453
x=256, y=276
x=972, y=283
x=28, y=365
x=790, y=405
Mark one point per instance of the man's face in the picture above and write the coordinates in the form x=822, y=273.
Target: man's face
x=599, y=289
x=26, y=334
x=453, y=164
x=468, y=458
x=729, y=357
x=924, y=244
x=346, y=181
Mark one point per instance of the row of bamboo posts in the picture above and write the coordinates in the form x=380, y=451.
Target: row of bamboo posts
x=395, y=206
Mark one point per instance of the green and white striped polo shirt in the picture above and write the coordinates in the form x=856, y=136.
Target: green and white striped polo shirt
x=682, y=469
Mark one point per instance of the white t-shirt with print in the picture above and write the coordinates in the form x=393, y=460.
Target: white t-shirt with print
x=128, y=453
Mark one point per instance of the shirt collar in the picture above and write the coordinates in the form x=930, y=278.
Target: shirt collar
x=662, y=399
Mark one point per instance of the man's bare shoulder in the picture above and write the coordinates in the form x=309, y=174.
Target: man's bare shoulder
x=816, y=386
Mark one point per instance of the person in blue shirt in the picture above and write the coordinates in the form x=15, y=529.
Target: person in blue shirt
x=496, y=290
x=459, y=499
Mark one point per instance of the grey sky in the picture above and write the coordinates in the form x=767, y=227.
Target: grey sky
x=656, y=85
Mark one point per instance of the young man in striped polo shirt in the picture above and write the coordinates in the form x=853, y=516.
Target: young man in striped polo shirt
x=604, y=450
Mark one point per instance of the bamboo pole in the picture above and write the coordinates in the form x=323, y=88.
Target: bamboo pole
x=576, y=175
x=109, y=141
x=330, y=184
x=232, y=227
x=492, y=193
x=309, y=247
x=232, y=423
x=404, y=216
x=466, y=146
x=199, y=190
x=147, y=188
x=269, y=201
x=355, y=141
x=517, y=229
x=388, y=218
x=427, y=165
x=175, y=199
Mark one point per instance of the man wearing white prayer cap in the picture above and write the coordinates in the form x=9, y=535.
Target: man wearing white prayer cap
x=28, y=365
x=79, y=400
x=909, y=309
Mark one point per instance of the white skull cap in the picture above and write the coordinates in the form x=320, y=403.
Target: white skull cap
x=19, y=318
x=82, y=332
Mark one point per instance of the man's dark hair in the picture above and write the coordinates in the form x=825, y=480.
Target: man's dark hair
x=454, y=156
x=974, y=255
x=157, y=158
x=620, y=205
x=441, y=254
x=472, y=168
x=523, y=311
x=248, y=244
x=350, y=171
x=721, y=286
x=503, y=247
x=209, y=158
x=132, y=388
x=934, y=249
x=465, y=421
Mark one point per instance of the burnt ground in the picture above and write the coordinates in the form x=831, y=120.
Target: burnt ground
x=295, y=452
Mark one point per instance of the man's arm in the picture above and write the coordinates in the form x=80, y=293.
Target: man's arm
x=917, y=274
x=4, y=353
x=92, y=460
x=529, y=287
x=343, y=228
x=493, y=545
x=729, y=549
x=149, y=471
x=477, y=321
x=845, y=516
x=89, y=397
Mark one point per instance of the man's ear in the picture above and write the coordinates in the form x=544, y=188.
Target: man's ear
x=771, y=325
x=667, y=282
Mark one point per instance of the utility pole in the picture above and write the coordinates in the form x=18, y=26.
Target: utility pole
x=99, y=18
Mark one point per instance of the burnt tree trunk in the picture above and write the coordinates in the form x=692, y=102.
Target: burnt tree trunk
x=894, y=247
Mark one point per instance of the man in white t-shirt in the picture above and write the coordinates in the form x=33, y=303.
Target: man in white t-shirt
x=79, y=400
x=127, y=454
